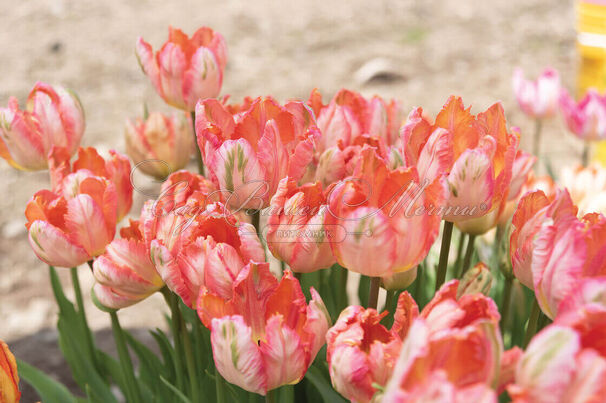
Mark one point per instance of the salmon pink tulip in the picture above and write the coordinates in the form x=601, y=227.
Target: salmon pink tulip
x=566, y=361
x=296, y=233
x=388, y=218
x=116, y=169
x=587, y=118
x=264, y=335
x=209, y=248
x=125, y=274
x=52, y=116
x=67, y=231
x=9, y=379
x=248, y=151
x=476, y=153
x=160, y=144
x=539, y=98
x=185, y=69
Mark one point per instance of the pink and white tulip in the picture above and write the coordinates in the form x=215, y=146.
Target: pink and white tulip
x=125, y=274
x=587, y=187
x=53, y=116
x=248, y=151
x=587, y=118
x=539, y=98
x=160, y=144
x=185, y=69
x=264, y=335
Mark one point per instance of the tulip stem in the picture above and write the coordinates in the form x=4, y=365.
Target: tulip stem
x=344, y=274
x=82, y=315
x=175, y=317
x=270, y=396
x=373, y=293
x=189, y=360
x=585, y=155
x=125, y=361
x=457, y=266
x=533, y=320
x=198, y=151
x=537, y=137
x=506, y=302
x=468, y=254
x=444, y=250
x=389, y=300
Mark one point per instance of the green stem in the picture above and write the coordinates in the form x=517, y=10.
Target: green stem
x=373, y=294
x=219, y=387
x=506, y=303
x=585, y=155
x=198, y=151
x=343, y=300
x=389, y=299
x=444, y=250
x=458, y=262
x=90, y=344
x=468, y=254
x=256, y=220
x=531, y=329
x=191, y=365
x=175, y=322
x=270, y=396
x=125, y=361
x=537, y=137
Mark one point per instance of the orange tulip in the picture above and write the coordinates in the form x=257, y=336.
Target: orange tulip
x=9, y=379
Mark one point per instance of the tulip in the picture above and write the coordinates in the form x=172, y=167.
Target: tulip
x=52, y=116
x=537, y=99
x=507, y=371
x=159, y=144
x=350, y=115
x=116, y=170
x=387, y=217
x=296, y=233
x=571, y=348
x=362, y=353
x=456, y=366
x=590, y=291
x=520, y=181
x=476, y=153
x=210, y=248
x=67, y=231
x=185, y=69
x=9, y=379
x=552, y=250
x=248, y=152
x=264, y=335
x=125, y=274
x=587, y=118
x=587, y=187
x=478, y=279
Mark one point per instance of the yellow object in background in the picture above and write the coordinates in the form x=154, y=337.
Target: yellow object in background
x=591, y=46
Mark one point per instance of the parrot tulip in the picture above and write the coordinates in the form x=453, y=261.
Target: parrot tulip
x=587, y=118
x=53, y=116
x=537, y=99
x=185, y=69
x=9, y=379
x=264, y=335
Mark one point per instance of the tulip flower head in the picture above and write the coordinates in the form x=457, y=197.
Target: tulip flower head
x=476, y=153
x=248, y=151
x=387, y=216
x=296, y=233
x=185, y=69
x=53, y=116
x=587, y=118
x=264, y=335
x=210, y=248
x=125, y=274
x=9, y=379
x=160, y=144
x=539, y=98
x=587, y=187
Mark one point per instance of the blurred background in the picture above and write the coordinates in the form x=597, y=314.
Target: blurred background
x=419, y=51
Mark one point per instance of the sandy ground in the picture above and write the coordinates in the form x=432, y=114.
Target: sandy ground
x=435, y=48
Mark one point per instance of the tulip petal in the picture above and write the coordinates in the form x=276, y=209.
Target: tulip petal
x=54, y=247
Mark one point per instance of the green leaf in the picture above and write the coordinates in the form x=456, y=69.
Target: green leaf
x=314, y=375
x=50, y=391
x=176, y=391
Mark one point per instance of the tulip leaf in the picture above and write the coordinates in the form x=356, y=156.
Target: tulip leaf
x=176, y=391
x=314, y=375
x=50, y=391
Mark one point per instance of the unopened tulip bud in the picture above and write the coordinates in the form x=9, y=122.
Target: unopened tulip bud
x=399, y=281
x=476, y=280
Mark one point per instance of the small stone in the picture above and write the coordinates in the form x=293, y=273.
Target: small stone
x=379, y=70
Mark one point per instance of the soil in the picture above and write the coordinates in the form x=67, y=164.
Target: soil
x=418, y=51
